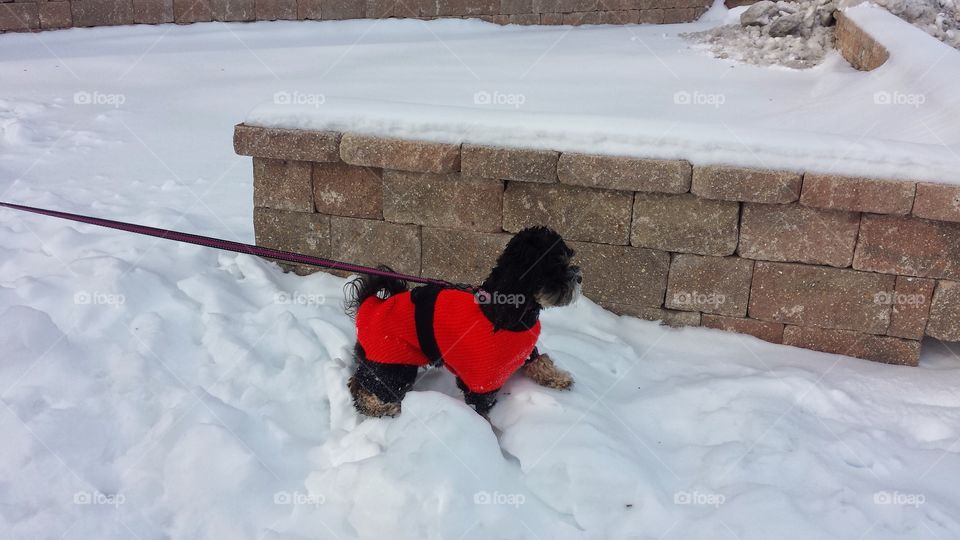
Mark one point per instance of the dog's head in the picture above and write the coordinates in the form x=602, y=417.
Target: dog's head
x=537, y=263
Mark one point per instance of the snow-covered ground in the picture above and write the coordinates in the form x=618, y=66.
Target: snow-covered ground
x=153, y=390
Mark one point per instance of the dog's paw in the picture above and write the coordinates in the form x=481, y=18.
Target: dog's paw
x=544, y=372
x=368, y=404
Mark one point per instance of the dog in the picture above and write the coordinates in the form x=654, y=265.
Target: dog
x=482, y=335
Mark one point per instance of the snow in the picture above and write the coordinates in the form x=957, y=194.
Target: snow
x=155, y=390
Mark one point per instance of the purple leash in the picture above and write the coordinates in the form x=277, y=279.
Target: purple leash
x=226, y=245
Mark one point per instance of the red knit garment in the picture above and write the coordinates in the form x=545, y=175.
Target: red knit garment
x=482, y=358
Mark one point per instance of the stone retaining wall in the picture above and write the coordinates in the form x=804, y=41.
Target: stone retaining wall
x=856, y=266
x=32, y=15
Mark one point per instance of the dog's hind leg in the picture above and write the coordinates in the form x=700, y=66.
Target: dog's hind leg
x=378, y=388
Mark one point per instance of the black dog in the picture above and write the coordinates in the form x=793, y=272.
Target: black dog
x=481, y=335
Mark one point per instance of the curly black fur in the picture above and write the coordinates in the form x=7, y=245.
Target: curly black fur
x=534, y=270
x=359, y=289
x=535, y=266
x=389, y=382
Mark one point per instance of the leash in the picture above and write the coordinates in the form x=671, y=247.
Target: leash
x=226, y=245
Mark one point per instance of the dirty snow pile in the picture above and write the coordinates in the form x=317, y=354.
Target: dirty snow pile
x=151, y=390
x=939, y=18
x=796, y=34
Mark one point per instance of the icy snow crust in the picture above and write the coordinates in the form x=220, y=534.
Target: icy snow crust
x=154, y=390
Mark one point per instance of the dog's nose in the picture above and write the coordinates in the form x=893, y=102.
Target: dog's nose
x=577, y=274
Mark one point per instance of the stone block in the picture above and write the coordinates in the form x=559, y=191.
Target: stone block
x=373, y=242
x=592, y=215
x=296, y=232
x=857, y=194
x=102, y=12
x=748, y=185
x=886, y=349
x=442, y=200
x=908, y=246
x=276, y=10
x=189, y=11
x=521, y=164
x=310, y=9
x=767, y=331
x=293, y=144
x=685, y=223
x=516, y=7
x=348, y=190
x=233, y=10
x=457, y=8
x=944, y=320
x=19, y=17
x=910, y=306
x=282, y=185
x=342, y=9
x=795, y=233
x=55, y=15
x=937, y=201
x=400, y=154
x=152, y=11
x=622, y=274
x=629, y=174
x=823, y=297
x=718, y=285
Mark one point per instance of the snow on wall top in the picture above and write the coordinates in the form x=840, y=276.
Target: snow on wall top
x=642, y=91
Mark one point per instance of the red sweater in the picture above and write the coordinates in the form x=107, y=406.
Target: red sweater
x=482, y=358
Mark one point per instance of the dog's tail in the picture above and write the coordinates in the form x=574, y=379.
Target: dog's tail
x=365, y=286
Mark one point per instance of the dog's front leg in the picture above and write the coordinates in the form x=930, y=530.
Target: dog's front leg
x=541, y=369
x=481, y=402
